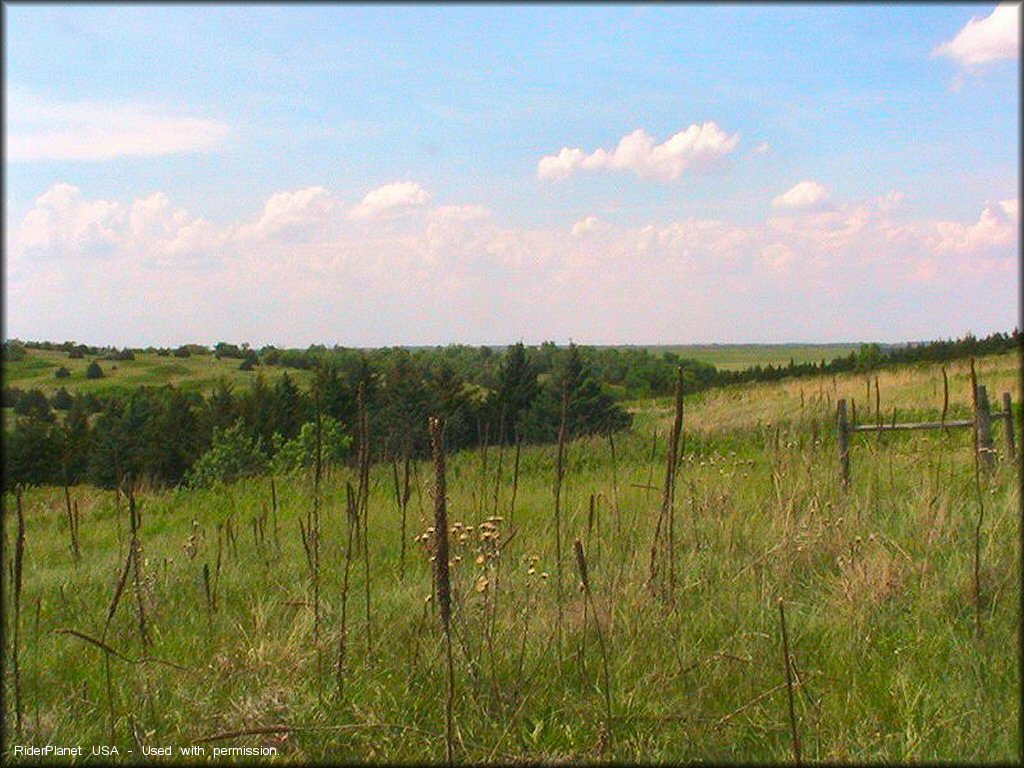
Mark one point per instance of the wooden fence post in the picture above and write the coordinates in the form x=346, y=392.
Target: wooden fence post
x=983, y=425
x=844, y=445
x=1011, y=449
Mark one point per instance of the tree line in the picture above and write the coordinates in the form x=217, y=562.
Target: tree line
x=172, y=436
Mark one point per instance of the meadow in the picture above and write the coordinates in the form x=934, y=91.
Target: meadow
x=201, y=373
x=736, y=357
x=198, y=373
x=277, y=614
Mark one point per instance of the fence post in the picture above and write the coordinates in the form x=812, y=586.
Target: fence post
x=983, y=424
x=1011, y=449
x=844, y=445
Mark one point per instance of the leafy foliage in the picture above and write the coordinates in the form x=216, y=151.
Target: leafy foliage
x=232, y=456
x=300, y=452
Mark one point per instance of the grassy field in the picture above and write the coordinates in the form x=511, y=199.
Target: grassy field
x=895, y=654
x=198, y=372
x=201, y=372
x=736, y=357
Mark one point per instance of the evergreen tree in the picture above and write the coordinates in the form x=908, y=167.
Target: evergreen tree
x=517, y=388
x=62, y=400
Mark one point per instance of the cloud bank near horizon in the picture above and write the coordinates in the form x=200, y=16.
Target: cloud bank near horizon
x=306, y=268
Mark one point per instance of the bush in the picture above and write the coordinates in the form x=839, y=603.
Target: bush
x=62, y=400
x=232, y=456
x=300, y=452
x=34, y=405
x=94, y=371
x=14, y=351
x=62, y=373
x=11, y=396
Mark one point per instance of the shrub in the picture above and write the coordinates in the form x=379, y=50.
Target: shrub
x=34, y=405
x=62, y=373
x=94, y=371
x=14, y=351
x=62, y=400
x=232, y=456
x=300, y=452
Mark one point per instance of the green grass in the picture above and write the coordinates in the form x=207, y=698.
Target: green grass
x=197, y=373
x=877, y=583
x=736, y=357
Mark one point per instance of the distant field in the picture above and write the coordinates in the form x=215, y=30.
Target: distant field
x=201, y=372
x=198, y=372
x=735, y=357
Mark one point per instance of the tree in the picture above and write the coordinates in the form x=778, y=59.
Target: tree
x=590, y=410
x=34, y=405
x=517, y=387
x=94, y=371
x=31, y=454
x=62, y=400
x=287, y=407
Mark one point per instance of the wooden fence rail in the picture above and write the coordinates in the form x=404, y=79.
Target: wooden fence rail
x=982, y=424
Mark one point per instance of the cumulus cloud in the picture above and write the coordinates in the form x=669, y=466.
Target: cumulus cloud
x=63, y=221
x=998, y=227
x=42, y=130
x=459, y=213
x=777, y=255
x=984, y=40
x=807, y=195
x=391, y=201
x=699, y=146
x=585, y=226
x=297, y=210
x=893, y=200
x=455, y=273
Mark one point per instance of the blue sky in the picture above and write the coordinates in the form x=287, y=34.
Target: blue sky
x=900, y=121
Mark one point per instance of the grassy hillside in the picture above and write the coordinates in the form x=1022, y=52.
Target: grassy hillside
x=736, y=357
x=201, y=372
x=895, y=655
x=198, y=372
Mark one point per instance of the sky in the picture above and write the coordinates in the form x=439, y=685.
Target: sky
x=419, y=175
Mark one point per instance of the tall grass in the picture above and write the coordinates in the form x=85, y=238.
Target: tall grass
x=880, y=583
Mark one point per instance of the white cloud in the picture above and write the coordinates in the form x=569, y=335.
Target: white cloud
x=698, y=146
x=777, y=255
x=997, y=227
x=585, y=226
x=893, y=200
x=391, y=201
x=984, y=40
x=560, y=166
x=459, y=213
x=806, y=195
x=296, y=210
x=63, y=221
x=456, y=274
x=761, y=149
x=43, y=130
